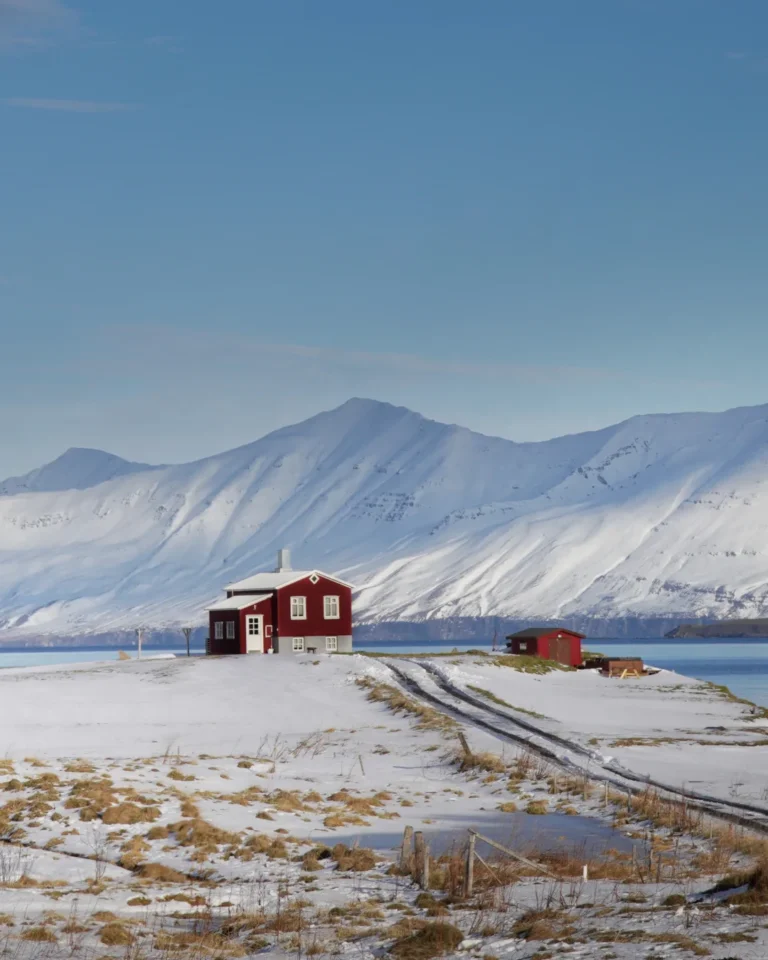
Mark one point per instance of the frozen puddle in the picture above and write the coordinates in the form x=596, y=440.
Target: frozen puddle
x=519, y=831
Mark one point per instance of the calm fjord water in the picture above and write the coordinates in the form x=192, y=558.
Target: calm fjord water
x=740, y=664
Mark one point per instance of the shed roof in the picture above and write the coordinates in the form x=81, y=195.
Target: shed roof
x=544, y=631
x=239, y=603
x=273, y=581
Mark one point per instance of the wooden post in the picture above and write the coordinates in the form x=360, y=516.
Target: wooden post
x=187, y=631
x=425, y=869
x=420, y=854
x=464, y=744
x=469, y=870
x=406, y=851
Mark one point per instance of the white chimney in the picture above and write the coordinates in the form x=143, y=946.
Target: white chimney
x=283, y=560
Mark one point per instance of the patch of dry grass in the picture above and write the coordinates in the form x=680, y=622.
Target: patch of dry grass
x=483, y=761
x=203, y=836
x=432, y=940
x=356, y=859
x=159, y=873
x=127, y=812
x=198, y=945
x=395, y=700
x=39, y=935
x=116, y=935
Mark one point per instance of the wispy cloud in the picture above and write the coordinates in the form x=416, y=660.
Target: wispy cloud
x=751, y=62
x=165, y=42
x=188, y=345
x=68, y=106
x=32, y=24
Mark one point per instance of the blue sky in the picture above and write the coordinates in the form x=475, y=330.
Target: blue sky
x=529, y=217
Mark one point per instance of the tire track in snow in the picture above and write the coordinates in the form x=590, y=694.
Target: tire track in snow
x=608, y=773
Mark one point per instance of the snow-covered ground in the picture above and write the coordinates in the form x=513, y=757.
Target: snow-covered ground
x=670, y=727
x=659, y=516
x=231, y=771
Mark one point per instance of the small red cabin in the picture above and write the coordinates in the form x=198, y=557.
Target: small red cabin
x=550, y=643
x=285, y=611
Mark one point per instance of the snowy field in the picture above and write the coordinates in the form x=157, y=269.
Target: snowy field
x=193, y=807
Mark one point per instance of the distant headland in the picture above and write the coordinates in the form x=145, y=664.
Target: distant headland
x=721, y=628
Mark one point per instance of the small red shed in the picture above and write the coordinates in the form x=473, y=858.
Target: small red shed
x=550, y=643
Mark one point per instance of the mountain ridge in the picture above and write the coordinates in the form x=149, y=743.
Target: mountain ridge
x=433, y=521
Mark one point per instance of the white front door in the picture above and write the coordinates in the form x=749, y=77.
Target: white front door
x=254, y=634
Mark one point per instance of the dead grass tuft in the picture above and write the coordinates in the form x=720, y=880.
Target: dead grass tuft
x=484, y=761
x=79, y=766
x=272, y=847
x=396, y=701
x=159, y=873
x=91, y=797
x=198, y=945
x=39, y=935
x=116, y=935
x=433, y=940
x=130, y=813
x=355, y=859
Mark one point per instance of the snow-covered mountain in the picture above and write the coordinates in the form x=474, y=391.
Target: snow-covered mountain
x=657, y=517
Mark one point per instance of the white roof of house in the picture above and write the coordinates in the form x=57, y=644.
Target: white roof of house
x=273, y=581
x=241, y=602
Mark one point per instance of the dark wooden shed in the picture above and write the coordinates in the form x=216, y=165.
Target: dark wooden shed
x=550, y=643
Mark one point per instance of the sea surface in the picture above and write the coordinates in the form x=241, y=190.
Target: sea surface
x=741, y=665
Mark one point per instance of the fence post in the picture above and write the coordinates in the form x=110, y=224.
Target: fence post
x=406, y=851
x=469, y=870
x=420, y=856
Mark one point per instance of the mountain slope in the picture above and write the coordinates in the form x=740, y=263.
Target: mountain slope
x=660, y=516
x=76, y=469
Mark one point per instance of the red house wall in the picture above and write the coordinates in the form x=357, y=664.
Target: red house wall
x=218, y=647
x=238, y=645
x=540, y=646
x=574, y=645
x=263, y=607
x=315, y=625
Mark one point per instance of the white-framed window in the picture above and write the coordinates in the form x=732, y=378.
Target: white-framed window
x=314, y=578
x=230, y=629
x=298, y=644
x=523, y=645
x=331, y=608
x=298, y=608
x=218, y=630
x=331, y=644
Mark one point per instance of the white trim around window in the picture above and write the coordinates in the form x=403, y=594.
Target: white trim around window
x=298, y=608
x=298, y=644
x=331, y=644
x=218, y=630
x=230, y=629
x=331, y=606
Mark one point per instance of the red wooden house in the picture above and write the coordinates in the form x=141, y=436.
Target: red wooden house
x=286, y=611
x=551, y=643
